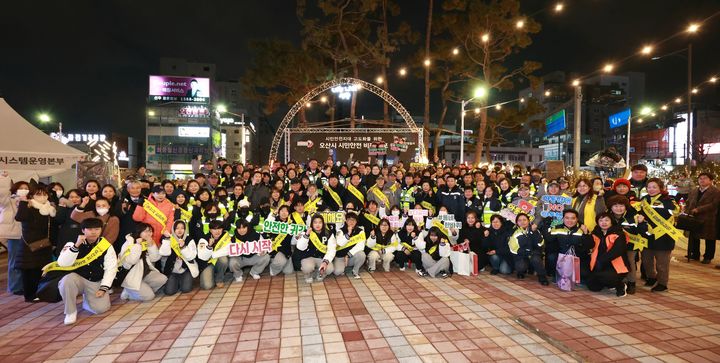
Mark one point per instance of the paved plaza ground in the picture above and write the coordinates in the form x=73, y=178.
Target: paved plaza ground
x=391, y=317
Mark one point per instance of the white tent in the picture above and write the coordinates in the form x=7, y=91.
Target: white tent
x=27, y=152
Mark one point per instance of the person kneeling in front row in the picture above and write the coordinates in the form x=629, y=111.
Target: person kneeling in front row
x=92, y=263
x=435, y=252
x=137, y=258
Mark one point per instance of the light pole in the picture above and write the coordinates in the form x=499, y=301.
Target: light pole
x=479, y=93
x=45, y=118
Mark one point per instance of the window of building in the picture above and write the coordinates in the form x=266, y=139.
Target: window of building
x=236, y=131
x=206, y=69
x=236, y=143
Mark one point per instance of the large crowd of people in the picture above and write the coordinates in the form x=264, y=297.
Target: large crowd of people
x=168, y=236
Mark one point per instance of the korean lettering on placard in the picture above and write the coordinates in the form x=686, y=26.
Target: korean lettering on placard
x=250, y=247
x=276, y=227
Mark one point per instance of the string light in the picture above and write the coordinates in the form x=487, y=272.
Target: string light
x=520, y=24
x=485, y=38
x=713, y=79
x=323, y=99
x=547, y=93
x=693, y=28
x=308, y=105
x=522, y=100
x=694, y=90
x=678, y=100
x=477, y=110
x=576, y=83
x=379, y=80
x=427, y=62
x=455, y=51
x=647, y=49
x=559, y=7
x=403, y=71
x=640, y=120
x=608, y=68
x=664, y=107
x=498, y=106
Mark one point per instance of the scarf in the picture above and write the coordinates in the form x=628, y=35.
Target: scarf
x=44, y=209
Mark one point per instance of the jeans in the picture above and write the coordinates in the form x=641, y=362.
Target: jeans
x=432, y=267
x=151, y=283
x=522, y=264
x=355, y=262
x=213, y=275
x=15, y=280
x=72, y=285
x=179, y=282
x=280, y=263
x=500, y=264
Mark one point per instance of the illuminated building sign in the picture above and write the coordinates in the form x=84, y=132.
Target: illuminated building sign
x=344, y=91
x=194, y=111
x=188, y=131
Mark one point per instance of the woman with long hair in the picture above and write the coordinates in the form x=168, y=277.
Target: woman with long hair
x=318, y=244
x=137, y=258
x=35, y=216
x=10, y=196
x=587, y=203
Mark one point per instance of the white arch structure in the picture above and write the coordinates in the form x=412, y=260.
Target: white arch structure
x=339, y=82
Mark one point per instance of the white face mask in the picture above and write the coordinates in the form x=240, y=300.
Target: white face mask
x=396, y=212
x=59, y=193
x=102, y=211
x=442, y=213
x=22, y=192
x=42, y=199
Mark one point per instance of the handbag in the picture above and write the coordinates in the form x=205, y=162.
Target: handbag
x=688, y=222
x=48, y=288
x=41, y=243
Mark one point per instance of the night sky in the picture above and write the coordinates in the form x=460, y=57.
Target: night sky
x=87, y=63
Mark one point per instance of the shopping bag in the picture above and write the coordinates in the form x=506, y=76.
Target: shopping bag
x=474, y=264
x=576, y=269
x=566, y=270
x=460, y=262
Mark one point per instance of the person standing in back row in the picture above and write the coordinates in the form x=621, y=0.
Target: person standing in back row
x=703, y=204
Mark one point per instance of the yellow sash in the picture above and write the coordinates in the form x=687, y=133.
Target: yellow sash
x=185, y=215
x=311, y=205
x=96, y=252
x=224, y=241
x=357, y=194
x=353, y=240
x=175, y=245
x=383, y=198
x=433, y=248
x=374, y=220
x=407, y=246
x=277, y=241
x=662, y=225
x=334, y=195
x=638, y=241
x=143, y=246
x=298, y=218
x=425, y=204
x=394, y=187
x=439, y=224
x=154, y=212
x=317, y=243
x=379, y=247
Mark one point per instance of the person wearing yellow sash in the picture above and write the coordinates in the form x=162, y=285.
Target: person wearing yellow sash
x=435, y=253
x=281, y=255
x=659, y=210
x=526, y=246
x=156, y=211
x=257, y=262
x=92, y=265
x=213, y=256
x=137, y=258
x=333, y=194
x=183, y=209
x=505, y=193
x=350, y=241
x=370, y=218
x=381, y=245
x=318, y=246
x=636, y=229
x=355, y=192
x=406, y=250
x=313, y=200
x=587, y=203
x=382, y=194
x=426, y=198
x=178, y=252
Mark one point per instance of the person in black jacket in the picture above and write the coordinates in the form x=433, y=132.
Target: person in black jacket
x=35, y=216
x=472, y=203
x=495, y=242
x=281, y=246
x=257, y=261
x=333, y=194
x=657, y=206
x=570, y=234
x=471, y=235
x=452, y=197
x=636, y=229
x=526, y=246
x=608, y=260
x=65, y=229
x=132, y=200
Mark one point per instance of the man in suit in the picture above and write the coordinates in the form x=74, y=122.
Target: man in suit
x=702, y=203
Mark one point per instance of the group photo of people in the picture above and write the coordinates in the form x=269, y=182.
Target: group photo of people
x=325, y=219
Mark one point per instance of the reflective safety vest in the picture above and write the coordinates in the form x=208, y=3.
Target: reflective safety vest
x=407, y=198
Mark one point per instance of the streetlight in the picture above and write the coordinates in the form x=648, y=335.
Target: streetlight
x=43, y=117
x=480, y=92
x=647, y=49
x=221, y=108
x=608, y=68
x=403, y=72
x=456, y=51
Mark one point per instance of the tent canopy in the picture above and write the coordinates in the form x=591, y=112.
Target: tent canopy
x=27, y=151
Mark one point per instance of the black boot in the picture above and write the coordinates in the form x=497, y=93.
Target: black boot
x=521, y=276
x=630, y=288
x=650, y=282
x=494, y=272
x=543, y=281
x=659, y=288
x=620, y=290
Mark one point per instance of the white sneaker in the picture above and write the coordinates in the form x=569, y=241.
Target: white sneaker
x=402, y=268
x=238, y=278
x=357, y=276
x=70, y=318
x=124, y=295
x=255, y=276
x=309, y=280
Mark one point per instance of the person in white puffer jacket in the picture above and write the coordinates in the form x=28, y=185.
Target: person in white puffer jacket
x=318, y=244
x=381, y=245
x=10, y=229
x=180, y=269
x=138, y=256
x=350, y=250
